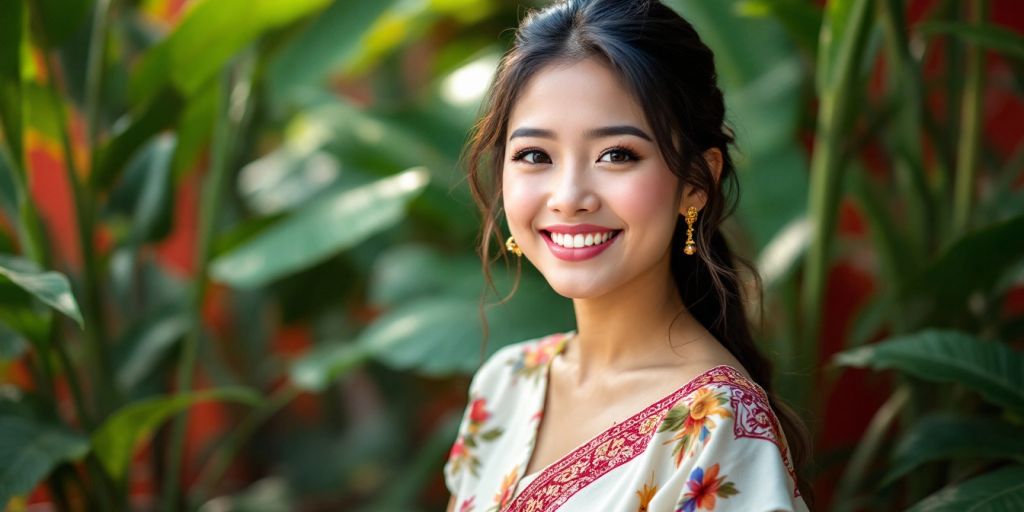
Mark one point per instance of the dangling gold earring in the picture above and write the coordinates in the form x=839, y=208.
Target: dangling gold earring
x=513, y=247
x=691, y=217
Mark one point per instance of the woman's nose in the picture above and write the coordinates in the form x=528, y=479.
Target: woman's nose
x=571, y=191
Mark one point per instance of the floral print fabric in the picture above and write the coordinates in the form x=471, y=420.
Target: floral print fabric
x=712, y=445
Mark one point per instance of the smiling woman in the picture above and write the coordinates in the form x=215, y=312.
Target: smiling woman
x=603, y=141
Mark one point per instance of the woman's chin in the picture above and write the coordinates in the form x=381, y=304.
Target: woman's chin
x=578, y=290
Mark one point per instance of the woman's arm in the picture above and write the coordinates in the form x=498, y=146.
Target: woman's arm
x=451, y=505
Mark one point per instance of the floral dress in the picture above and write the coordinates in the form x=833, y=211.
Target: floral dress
x=712, y=445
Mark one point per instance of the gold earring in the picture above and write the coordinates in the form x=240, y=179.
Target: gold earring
x=691, y=217
x=513, y=247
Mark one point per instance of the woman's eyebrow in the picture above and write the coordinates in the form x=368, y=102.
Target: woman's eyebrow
x=594, y=133
x=608, y=131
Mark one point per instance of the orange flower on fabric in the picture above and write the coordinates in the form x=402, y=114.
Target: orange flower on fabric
x=693, y=422
x=646, y=495
x=504, y=495
x=535, y=356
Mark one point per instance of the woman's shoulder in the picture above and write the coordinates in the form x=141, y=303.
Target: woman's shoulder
x=728, y=394
x=723, y=416
x=522, y=361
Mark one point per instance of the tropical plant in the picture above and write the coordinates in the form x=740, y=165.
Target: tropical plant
x=946, y=274
x=320, y=311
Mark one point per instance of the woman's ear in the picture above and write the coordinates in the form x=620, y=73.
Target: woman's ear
x=697, y=198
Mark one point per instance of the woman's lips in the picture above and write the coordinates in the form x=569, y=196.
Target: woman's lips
x=578, y=253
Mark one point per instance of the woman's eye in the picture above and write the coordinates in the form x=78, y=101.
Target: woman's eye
x=538, y=158
x=619, y=155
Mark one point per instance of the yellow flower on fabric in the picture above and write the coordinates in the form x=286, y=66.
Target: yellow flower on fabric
x=704, y=403
x=692, y=422
x=646, y=495
x=504, y=495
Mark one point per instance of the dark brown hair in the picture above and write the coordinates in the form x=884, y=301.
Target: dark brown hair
x=671, y=73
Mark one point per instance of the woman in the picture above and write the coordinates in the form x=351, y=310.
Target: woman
x=605, y=139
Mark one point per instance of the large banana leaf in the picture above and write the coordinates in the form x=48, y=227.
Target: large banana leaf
x=973, y=263
x=998, y=491
x=115, y=440
x=948, y=437
x=319, y=231
x=209, y=35
x=30, y=449
x=989, y=367
x=987, y=35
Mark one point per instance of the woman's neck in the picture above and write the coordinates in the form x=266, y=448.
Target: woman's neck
x=629, y=328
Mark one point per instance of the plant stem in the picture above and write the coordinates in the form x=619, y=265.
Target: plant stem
x=905, y=79
x=236, y=439
x=91, y=305
x=834, y=113
x=970, y=130
x=77, y=397
x=222, y=144
x=867, y=448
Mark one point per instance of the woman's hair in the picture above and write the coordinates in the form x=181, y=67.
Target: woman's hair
x=671, y=74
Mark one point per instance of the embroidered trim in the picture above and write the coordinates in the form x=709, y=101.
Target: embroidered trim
x=609, y=450
x=755, y=419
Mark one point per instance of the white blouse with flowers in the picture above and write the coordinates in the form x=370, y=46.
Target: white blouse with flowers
x=712, y=445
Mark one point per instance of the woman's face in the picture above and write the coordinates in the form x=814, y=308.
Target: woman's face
x=581, y=162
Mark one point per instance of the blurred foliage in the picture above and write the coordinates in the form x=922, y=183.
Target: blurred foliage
x=332, y=271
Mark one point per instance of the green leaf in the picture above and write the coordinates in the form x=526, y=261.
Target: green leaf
x=295, y=174
x=30, y=449
x=947, y=437
x=148, y=342
x=195, y=126
x=12, y=346
x=801, y=19
x=145, y=123
x=987, y=35
x=440, y=335
x=988, y=367
x=973, y=263
x=436, y=335
x=674, y=419
x=52, y=288
x=997, y=491
x=146, y=196
x=407, y=272
x=202, y=44
x=332, y=41
x=491, y=435
x=319, y=231
x=315, y=370
x=116, y=439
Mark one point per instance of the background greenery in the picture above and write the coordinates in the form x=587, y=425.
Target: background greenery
x=237, y=265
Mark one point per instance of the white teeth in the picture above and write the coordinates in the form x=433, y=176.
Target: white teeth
x=580, y=240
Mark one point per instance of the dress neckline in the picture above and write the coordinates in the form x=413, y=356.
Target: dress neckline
x=540, y=405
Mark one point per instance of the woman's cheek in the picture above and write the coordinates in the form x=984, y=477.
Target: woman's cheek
x=644, y=198
x=518, y=199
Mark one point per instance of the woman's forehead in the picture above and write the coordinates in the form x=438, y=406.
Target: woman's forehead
x=574, y=98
